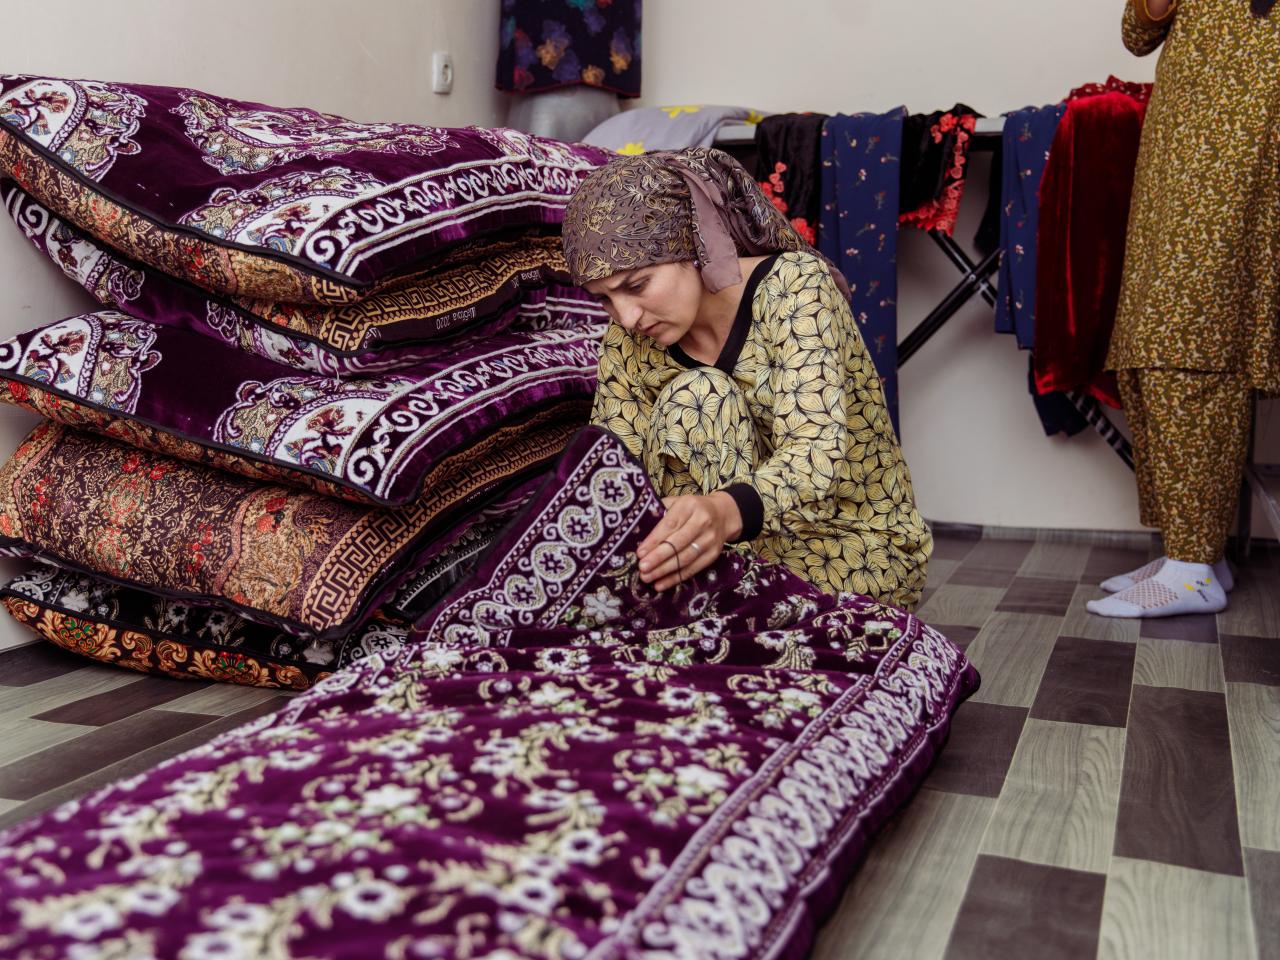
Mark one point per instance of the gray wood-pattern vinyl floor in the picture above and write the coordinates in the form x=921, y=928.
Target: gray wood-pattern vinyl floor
x=1112, y=790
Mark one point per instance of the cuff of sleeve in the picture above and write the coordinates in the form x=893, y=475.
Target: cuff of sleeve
x=750, y=506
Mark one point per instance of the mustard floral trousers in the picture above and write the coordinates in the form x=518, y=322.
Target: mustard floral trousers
x=1190, y=440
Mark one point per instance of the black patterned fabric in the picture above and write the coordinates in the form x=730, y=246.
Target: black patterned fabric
x=789, y=167
x=548, y=44
x=926, y=157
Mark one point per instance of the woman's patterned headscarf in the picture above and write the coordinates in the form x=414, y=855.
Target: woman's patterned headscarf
x=671, y=206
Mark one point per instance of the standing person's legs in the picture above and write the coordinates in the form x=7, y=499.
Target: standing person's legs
x=1191, y=434
x=1135, y=412
x=1200, y=436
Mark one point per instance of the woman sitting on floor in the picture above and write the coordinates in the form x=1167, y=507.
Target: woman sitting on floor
x=734, y=371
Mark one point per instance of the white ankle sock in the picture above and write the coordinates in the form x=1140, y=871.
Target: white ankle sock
x=1124, y=581
x=1176, y=588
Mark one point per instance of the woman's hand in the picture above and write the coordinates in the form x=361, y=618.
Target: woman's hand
x=688, y=538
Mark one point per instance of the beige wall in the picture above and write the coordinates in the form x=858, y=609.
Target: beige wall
x=367, y=61
x=832, y=55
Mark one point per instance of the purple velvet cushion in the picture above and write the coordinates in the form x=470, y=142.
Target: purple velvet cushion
x=297, y=560
x=370, y=439
x=284, y=205
x=481, y=287
x=132, y=627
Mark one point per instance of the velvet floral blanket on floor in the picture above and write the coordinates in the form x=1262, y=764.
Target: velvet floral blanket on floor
x=561, y=764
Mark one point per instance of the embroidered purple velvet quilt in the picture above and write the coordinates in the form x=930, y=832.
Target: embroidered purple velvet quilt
x=563, y=765
x=370, y=439
x=480, y=289
x=280, y=204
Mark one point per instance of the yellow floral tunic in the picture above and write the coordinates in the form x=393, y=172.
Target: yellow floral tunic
x=1201, y=284
x=835, y=493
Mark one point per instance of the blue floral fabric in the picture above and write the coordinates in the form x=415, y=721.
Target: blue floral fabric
x=1028, y=134
x=546, y=44
x=858, y=228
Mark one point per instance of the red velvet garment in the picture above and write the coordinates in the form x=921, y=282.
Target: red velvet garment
x=1139, y=91
x=1084, y=213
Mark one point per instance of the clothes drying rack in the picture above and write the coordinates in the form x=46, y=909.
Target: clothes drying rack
x=1261, y=480
x=975, y=277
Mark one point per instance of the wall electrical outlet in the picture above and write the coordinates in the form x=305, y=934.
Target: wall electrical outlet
x=441, y=71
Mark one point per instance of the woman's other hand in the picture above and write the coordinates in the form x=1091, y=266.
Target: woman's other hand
x=688, y=538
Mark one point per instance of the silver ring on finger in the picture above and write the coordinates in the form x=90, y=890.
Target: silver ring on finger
x=696, y=548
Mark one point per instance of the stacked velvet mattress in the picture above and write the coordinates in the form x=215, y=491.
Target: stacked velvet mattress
x=323, y=350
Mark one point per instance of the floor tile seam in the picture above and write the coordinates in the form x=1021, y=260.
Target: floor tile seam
x=89, y=731
x=1236, y=781
x=81, y=794
x=1115, y=823
x=85, y=728
x=1249, y=683
x=1236, y=785
x=977, y=852
x=1057, y=635
x=1124, y=756
x=92, y=730
x=995, y=805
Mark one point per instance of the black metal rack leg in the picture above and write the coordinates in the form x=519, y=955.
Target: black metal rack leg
x=974, y=281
